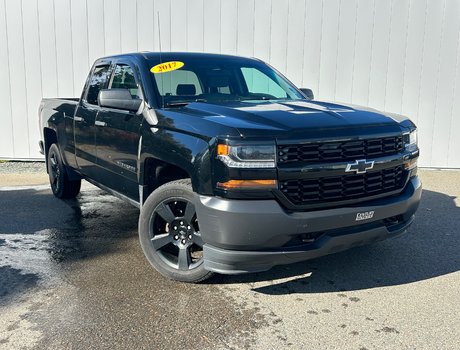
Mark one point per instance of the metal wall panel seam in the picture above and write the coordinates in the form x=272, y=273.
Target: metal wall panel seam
x=287, y=36
x=237, y=6
x=303, y=42
x=220, y=21
x=422, y=60
x=405, y=57
x=186, y=24
x=26, y=103
x=71, y=48
x=170, y=28
x=388, y=53
x=454, y=91
x=320, y=48
x=270, y=32
x=253, y=27
x=9, y=75
x=33, y=70
x=354, y=53
x=39, y=51
x=55, y=48
x=103, y=29
x=437, y=78
x=202, y=32
x=137, y=27
x=153, y=23
x=337, y=49
x=371, y=50
x=120, y=26
x=87, y=35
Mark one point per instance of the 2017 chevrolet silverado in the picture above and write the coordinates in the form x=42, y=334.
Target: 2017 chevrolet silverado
x=234, y=168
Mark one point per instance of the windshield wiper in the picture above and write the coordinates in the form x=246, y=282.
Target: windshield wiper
x=176, y=104
x=183, y=103
x=264, y=98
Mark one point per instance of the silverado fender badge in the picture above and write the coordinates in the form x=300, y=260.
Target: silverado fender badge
x=360, y=166
x=365, y=215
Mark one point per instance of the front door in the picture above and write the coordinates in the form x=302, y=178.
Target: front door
x=118, y=137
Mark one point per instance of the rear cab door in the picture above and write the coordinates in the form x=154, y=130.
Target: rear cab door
x=118, y=135
x=85, y=117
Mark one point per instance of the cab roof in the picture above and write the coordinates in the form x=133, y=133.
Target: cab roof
x=166, y=56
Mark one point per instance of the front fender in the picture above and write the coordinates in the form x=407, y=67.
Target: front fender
x=188, y=152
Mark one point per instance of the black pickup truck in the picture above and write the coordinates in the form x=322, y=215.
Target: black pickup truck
x=234, y=168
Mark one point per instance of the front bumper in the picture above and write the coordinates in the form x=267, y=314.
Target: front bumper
x=254, y=235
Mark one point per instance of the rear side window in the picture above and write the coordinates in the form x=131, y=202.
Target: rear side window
x=97, y=82
x=178, y=83
x=123, y=78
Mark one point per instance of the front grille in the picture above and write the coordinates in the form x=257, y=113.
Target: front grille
x=339, y=188
x=331, y=151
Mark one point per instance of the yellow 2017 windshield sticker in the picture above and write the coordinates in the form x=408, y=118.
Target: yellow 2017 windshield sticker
x=167, y=67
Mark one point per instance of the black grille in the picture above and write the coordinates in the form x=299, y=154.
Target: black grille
x=331, y=151
x=338, y=188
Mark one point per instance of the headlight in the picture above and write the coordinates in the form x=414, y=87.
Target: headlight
x=247, y=156
x=410, y=140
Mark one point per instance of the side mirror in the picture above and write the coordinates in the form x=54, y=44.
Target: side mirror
x=307, y=93
x=118, y=99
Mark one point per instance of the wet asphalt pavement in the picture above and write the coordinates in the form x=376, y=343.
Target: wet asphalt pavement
x=72, y=275
x=77, y=272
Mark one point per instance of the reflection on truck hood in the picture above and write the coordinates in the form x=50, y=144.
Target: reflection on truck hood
x=288, y=117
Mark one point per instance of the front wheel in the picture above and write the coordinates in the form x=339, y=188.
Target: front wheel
x=170, y=234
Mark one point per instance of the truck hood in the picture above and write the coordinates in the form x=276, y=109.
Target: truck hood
x=295, y=118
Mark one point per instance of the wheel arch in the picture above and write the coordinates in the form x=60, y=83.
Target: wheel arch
x=50, y=137
x=158, y=172
x=184, y=156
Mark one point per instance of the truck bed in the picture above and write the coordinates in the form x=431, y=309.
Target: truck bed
x=49, y=106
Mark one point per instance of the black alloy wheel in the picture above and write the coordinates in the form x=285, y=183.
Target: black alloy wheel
x=169, y=232
x=175, y=234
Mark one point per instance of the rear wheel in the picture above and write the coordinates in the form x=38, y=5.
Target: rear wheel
x=61, y=186
x=170, y=234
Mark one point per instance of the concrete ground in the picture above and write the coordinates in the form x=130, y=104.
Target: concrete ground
x=22, y=173
x=72, y=275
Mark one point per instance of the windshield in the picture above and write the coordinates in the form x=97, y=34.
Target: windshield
x=219, y=80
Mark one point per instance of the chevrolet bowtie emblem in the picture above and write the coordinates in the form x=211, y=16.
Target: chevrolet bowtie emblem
x=360, y=166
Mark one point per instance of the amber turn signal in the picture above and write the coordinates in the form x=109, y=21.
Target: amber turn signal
x=247, y=184
x=223, y=150
x=410, y=164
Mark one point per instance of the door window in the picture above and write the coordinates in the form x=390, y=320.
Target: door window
x=123, y=78
x=97, y=82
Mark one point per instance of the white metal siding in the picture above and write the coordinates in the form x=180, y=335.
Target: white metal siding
x=400, y=56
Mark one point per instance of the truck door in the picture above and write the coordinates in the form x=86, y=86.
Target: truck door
x=117, y=138
x=84, y=118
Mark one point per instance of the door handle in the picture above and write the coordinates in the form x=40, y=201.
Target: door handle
x=78, y=119
x=99, y=123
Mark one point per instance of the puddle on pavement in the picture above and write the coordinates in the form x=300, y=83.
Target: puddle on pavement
x=70, y=230
x=85, y=256
x=13, y=280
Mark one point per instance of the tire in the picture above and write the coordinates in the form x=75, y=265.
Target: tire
x=60, y=184
x=169, y=233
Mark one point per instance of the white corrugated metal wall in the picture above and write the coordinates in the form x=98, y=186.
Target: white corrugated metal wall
x=400, y=56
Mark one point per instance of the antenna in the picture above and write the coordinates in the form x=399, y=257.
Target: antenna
x=161, y=62
x=159, y=34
